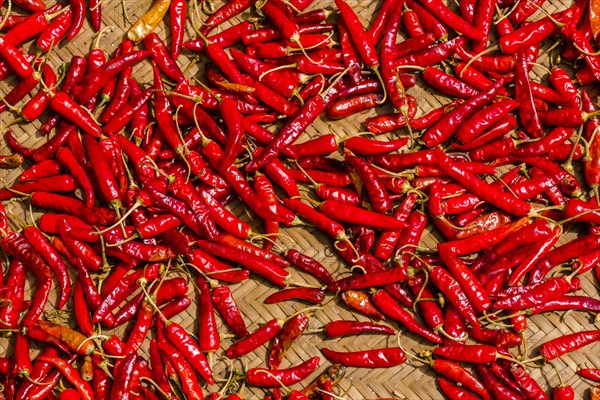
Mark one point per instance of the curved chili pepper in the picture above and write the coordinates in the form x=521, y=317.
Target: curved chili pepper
x=72, y=375
x=17, y=246
x=564, y=344
x=276, y=378
x=494, y=385
x=40, y=170
x=589, y=373
x=354, y=282
x=41, y=245
x=376, y=358
x=226, y=306
x=257, y=338
x=454, y=391
x=259, y=266
x=309, y=265
x=390, y=308
x=82, y=313
x=447, y=126
x=190, y=350
x=16, y=276
x=56, y=30
x=433, y=55
x=310, y=295
x=429, y=22
x=481, y=189
x=341, y=328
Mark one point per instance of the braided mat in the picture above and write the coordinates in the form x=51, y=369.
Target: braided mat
x=408, y=381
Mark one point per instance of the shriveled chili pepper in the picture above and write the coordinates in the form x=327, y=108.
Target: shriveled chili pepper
x=390, y=307
x=17, y=246
x=16, y=276
x=41, y=245
x=433, y=55
x=259, y=266
x=309, y=265
x=276, y=378
x=564, y=344
x=494, y=385
x=22, y=89
x=589, y=373
x=354, y=282
x=376, y=358
x=255, y=339
x=454, y=391
x=40, y=170
x=190, y=350
x=341, y=328
x=448, y=125
x=226, y=306
x=429, y=22
x=481, y=189
x=310, y=295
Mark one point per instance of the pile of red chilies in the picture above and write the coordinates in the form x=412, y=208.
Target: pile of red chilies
x=135, y=179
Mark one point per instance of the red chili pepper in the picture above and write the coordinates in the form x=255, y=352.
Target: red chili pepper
x=481, y=189
x=126, y=285
x=339, y=328
x=564, y=344
x=259, y=266
x=453, y=391
x=189, y=349
x=589, y=373
x=40, y=170
x=209, y=336
x=474, y=127
x=41, y=245
x=72, y=375
x=41, y=101
x=499, y=64
x=257, y=338
x=226, y=306
x=15, y=279
x=429, y=22
x=433, y=55
x=310, y=295
x=494, y=385
x=96, y=79
x=453, y=21
x=56, y=30
x=390, y=308
x=349, y=106
x=15, y=59
x=412, y=23
x=58, y=183
x=494, y=132
x=277, y=378
x=17, y=246
x=178, y=16
x=466, y=279
x=448, y=125
x=477, y=354
x=447, y=84
x=563, y=393
x=291, y=331
x=82, y=313
x=22, y=89
x=62, y=104
x=376, y=358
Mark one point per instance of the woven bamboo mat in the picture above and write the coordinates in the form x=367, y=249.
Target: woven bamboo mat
x=408, y=381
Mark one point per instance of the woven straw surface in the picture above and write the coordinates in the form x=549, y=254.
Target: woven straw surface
x=410, y=381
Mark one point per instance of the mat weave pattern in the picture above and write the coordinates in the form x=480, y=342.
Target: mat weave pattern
x=408, y=381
